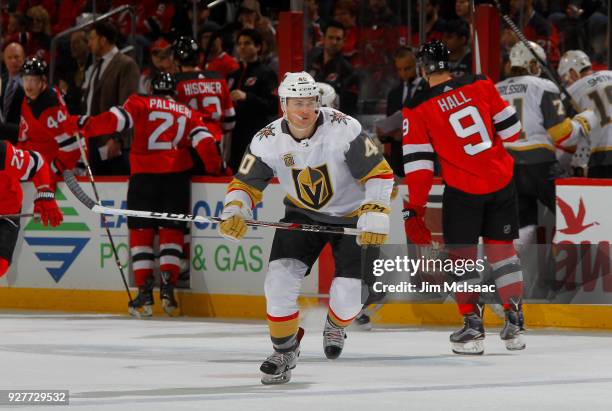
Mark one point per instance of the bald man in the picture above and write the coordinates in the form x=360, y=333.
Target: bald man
x=11, y=93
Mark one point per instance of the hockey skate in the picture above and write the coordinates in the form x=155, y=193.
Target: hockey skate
x=277, y=367
x=470, y=339
x=166, y=294
x=512, y=333
x=142, y=305
x=333, y=340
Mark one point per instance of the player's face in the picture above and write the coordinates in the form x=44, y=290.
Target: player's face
x=302, y=112
x=33, y=86
x=406, y=68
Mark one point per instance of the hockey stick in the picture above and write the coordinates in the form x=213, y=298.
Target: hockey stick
x=78, y=192
x=552, y=75
x=23, y=215
x=95, y=190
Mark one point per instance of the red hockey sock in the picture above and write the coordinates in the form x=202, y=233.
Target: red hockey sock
x=4, y=266
x=170, y=252
x=141, y=247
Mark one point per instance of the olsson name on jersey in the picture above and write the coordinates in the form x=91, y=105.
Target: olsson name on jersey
x=512, y=89
x=165, y=104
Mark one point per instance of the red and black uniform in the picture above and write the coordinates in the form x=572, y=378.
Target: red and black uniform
x=160, y=162
x=16, y=166
x=464, y=122
x=43, y=128
x=223, y=64
x=207, y=93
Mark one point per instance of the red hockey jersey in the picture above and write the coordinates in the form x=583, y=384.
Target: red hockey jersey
x=464, y=122
x=15, y=166
x=43, y=129
x=207, y=93
x=163, y=132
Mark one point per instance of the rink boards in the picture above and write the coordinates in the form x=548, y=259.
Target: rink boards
x=71, y=268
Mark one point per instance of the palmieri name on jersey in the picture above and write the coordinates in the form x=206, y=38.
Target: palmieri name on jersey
x=453, y=101
x=195, y=88
x=164, y=104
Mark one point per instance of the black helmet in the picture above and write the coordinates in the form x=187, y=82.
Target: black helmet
x=163, y=83
x=34, y=67
x=186, y=51
x=433, y=56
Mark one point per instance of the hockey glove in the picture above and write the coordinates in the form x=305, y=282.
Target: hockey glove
x=414, y=223
x=45, y=205
x=374, y=224
x=234, y=215
x=587, y=121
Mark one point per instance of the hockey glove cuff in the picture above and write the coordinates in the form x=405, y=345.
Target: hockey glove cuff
x=45, y=205
x=234, y=215
x=374, y=224
x=587, y=120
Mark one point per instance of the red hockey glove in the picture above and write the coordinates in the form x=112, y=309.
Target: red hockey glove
x=45, y=205
x=414, y=223
x=71, y=125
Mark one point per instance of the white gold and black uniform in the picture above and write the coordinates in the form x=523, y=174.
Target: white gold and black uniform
x=595, y=92
x=326, y=178
x=545, y=128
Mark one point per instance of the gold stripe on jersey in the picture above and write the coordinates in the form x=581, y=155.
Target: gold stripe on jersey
x=254, y=193
x=380, y=169
x=561, y=130
x=530, y=147
x=600, y=149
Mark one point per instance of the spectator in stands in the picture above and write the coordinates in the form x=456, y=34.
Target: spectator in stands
x=67, y=14
x=12, y=92
x=253, y=88
x=462, y=9
x=17, y=29
x=328, y=65
x=214, y=57
x=71, y=73
x=457, y=39
x=346, y=14
x=250, y=17
x=161, y=61
x=380, y=15
x=536, y=28
x=111, y=80
x=399, y=96
x=434, y=24
x=40, y=27
x=49, y=5
x=314, y=25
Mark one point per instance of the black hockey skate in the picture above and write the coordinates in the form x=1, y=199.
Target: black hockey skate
x=470, y=339
x=142, y=305
x=512, y=333
x=166, y=294
x=333, y=340
x=277, y=367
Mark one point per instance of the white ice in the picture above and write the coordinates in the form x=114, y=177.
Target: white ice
x=119, y=363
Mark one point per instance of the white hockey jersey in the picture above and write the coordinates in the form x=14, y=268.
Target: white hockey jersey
x=323, y=176
x=541, y=111
x=595, y=92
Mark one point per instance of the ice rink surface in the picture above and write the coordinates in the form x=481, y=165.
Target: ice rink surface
x=119, y=363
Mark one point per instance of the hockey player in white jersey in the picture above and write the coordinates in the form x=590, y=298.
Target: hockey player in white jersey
x=592, y=90
x=333, y=174
x=545, y=128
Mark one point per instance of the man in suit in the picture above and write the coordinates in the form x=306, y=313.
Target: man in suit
x=111, y=79
x=12, y=92
x=397, y=98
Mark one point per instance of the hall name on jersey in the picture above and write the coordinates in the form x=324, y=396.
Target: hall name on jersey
x=453, y=101
x=599, y=78
x=201, y=87
x=160, y=103
x=512, y=88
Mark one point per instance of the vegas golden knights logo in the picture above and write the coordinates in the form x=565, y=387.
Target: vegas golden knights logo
x=313, y=186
